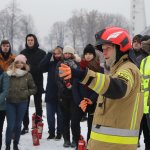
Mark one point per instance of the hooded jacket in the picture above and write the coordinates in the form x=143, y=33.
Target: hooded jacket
x=6, y=59
x=34, y=55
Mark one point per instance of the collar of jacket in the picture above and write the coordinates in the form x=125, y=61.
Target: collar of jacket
x=17, y=72
x=116, y=65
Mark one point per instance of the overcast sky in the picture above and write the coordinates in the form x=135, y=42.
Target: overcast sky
x=46, y=12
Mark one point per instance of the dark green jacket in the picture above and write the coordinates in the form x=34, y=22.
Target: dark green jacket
x=21, y=88
x=4, y=85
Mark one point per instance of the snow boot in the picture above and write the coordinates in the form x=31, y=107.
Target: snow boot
x=7, y=147
x=66, y=143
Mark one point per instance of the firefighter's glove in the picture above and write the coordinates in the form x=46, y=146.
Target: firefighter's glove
x=65, y=72
x=84, y=103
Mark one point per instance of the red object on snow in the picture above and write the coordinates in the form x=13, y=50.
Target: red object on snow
x=33, y=121
x=81, y=143
x=40, y=129
x=35, y=137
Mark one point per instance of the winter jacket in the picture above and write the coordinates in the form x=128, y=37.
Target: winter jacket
x=21, y=86
x=65, y=93
x=4, y=85
x=34, y=56
x=5, y=63
x=51, y=88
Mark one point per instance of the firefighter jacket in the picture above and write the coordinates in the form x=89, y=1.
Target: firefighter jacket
x=119, y=107
x=145, y=71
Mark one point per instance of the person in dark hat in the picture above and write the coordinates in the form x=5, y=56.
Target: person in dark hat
x=136, y=54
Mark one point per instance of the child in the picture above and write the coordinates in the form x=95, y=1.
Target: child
x=4, y=85
x=21, y=86
x=70, y=110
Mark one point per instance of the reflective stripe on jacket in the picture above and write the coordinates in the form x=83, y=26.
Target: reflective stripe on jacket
x=145, y=71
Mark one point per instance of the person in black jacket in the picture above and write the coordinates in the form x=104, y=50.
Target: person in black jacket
x=34, y=55
x=68, y=101
x=48, y=64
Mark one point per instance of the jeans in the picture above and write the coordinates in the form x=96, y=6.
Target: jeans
x=2, y=117
x=14, y=115
x=52, y=109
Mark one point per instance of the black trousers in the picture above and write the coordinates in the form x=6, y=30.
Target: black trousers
x=2, y=118
x=89, y=123
x=146, y=132
x=72, y=114
x=38, y=108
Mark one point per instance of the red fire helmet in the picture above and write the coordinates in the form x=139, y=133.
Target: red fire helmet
x=114, y=35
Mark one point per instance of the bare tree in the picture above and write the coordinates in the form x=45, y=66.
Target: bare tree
x=72, y=29
x=58, y=32
x=91, y=26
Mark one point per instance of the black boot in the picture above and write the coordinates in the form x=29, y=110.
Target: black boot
x=66, y=143
x=73, y=144
x=58, y=137
x=15, y=146
x=24, y=131
x=51, y=136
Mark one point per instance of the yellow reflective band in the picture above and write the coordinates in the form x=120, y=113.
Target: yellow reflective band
x=99, y=83
x=102, y=85
x=113, y=139
x=134, y=115
x=126, y=75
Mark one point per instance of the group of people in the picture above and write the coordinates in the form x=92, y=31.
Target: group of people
x=110, y=93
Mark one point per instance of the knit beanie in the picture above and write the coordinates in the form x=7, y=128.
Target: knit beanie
x=68, y=49
x=21, y=58
x=89, y=49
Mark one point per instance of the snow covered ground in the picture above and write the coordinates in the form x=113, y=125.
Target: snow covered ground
x=26, y=140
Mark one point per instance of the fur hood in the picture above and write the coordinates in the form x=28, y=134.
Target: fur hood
x=13, y=71
x=17, y=72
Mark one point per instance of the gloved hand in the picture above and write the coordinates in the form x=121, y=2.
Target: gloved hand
x=84, y=103
x=65, y=71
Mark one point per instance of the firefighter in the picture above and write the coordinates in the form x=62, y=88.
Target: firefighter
x=120, y=105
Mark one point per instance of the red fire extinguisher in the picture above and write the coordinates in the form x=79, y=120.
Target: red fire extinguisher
x=40, y=129
x=33, y=121
x=35, y=137
x=81, y=143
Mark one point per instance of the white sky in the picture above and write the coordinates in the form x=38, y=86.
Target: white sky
x=46, y=12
